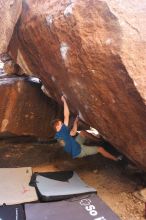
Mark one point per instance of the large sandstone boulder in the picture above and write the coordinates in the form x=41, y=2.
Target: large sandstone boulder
x=25, y=110
x=9, y=13
x=94, y=52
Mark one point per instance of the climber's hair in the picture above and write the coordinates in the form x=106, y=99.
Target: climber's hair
x=55, y=122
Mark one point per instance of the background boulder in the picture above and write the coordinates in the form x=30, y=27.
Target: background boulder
x=9, y=13
x=25, y=110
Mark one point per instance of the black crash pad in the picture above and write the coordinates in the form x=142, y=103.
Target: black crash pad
x=85, y=207
x=12, y=212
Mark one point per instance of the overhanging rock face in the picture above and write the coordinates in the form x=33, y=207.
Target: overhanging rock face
x=94, y=53
x=24, y=109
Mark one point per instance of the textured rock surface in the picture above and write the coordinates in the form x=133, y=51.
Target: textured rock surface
x=11, y=68
x=94, y=53
x=24, y=109
x=1, y=68
x=9, y=14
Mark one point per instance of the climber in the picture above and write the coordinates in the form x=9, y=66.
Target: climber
x=75, y=146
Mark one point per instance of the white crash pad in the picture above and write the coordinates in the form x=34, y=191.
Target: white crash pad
x=14, y=186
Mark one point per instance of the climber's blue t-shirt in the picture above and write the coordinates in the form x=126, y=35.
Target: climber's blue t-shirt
x=71, y=146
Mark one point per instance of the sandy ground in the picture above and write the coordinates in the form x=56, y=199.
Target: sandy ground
x=115, y=183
